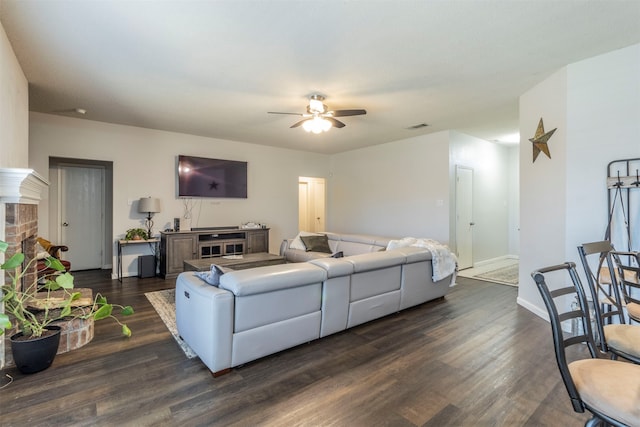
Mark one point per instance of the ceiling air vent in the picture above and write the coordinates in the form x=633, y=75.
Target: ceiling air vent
x=418, y=126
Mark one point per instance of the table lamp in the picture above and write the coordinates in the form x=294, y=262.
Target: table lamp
x=150, y=206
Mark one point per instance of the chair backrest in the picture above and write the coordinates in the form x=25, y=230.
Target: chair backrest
x=603, y=286
x=627, y=264
x=560, y=312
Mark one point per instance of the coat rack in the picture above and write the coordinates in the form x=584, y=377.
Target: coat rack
x=623, y=188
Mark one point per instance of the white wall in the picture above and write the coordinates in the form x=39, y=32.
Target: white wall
x=595, y=104
x=603, y=123
x=14, y=108
x=14, y=126
x=514, y=199
x=144, y=165
x=491, y=196
x=395, y=189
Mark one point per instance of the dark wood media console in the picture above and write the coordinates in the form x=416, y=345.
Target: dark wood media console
x=179, y=246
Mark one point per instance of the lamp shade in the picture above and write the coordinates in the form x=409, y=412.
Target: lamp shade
x=149, y=205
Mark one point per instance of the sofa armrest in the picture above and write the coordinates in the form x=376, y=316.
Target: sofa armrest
x=284, y=246
x=204, y=317
x=334, y=267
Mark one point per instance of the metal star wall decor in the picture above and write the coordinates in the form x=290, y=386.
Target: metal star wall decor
x=540, y=141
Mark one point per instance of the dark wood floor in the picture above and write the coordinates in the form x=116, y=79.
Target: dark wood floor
x=472, y=359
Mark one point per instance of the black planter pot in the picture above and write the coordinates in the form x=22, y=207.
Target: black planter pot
x=37, y=354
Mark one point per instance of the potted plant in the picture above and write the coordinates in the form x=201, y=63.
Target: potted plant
x=136, y=234
x=31, y=311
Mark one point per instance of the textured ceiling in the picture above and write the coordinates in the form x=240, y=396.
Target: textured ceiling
x=214, y=68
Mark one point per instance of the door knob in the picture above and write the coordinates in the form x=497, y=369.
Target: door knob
x=65, y=224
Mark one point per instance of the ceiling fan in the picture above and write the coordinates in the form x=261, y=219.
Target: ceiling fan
x=319, y=118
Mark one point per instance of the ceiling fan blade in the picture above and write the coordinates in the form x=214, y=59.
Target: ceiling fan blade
x=278, y=112
x=295, y=125
x=336, y=123
x=343, y=113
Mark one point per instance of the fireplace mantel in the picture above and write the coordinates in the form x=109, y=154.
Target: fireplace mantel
x=21, y=186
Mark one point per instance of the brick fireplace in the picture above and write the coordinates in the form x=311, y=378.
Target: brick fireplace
x=20, y=193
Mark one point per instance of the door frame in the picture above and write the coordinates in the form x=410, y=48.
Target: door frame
x=469, y=205
x=316, y=202
x=55, y=220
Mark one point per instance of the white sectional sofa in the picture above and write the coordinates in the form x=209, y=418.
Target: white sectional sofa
x=256, y=312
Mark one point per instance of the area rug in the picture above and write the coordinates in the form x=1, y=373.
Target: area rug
x=505, y=275
x=164, y=303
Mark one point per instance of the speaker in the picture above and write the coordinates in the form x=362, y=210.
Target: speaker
x=146, y=266
x=176, y=224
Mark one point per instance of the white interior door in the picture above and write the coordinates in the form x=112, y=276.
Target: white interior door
x=311, y=204
x=303, y=205
x=81, y=215
x=464, y=217
x=318, y=204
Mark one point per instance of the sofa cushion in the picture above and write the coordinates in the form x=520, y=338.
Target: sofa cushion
x=252, y=311
x=296, y=256
x=414, y=254
x=271, y=278
x=376, y=260
x=355, y=244
x=316, y=243
x=370, y=283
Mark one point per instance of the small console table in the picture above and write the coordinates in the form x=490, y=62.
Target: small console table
x=123, y=243
x=179, y=246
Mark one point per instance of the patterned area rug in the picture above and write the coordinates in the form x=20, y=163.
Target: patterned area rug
x=165, y=304
x=505, y=275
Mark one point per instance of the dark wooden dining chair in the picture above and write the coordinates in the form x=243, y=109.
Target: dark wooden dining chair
x=609, y=389
x=627, y=265
x=614, y=336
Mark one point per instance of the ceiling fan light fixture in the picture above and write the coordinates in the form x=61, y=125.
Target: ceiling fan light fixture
x=316, y=106
x=317, y=125
x=318, y=118
x=326, y=125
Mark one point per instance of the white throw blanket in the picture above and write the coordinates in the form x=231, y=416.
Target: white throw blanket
x=443, y=261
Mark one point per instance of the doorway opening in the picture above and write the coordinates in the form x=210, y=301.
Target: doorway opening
x=80, y=210
x=311, y=204
x=464, y=217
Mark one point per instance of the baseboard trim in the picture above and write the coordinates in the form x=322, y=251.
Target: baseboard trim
x=533, y=308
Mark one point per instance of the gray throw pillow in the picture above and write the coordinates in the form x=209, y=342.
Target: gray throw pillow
x=316, y=243
x=211, y=277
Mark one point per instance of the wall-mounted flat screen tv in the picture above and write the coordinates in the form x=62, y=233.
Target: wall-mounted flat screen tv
x=203, y=177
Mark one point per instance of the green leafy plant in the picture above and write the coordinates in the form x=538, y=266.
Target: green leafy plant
x=132, y=233
x=33, y=310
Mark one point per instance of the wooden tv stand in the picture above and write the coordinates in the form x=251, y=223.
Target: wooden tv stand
x=179, y=246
